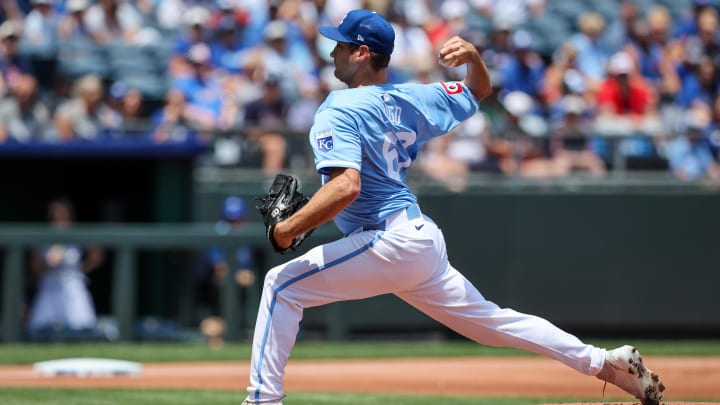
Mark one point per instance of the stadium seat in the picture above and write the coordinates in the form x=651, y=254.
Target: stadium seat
x=569, y=10
x=78, y=57
x=138, y=67
x=129, y=59
x=549, y=31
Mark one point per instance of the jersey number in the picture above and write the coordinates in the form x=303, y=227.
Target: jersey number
x=395, y=152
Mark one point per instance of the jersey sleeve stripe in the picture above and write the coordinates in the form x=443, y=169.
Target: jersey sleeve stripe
x=337, y=163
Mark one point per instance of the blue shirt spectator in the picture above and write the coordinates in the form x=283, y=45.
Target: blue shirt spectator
x=591, y=55
x=226, y=48
x=201, y=87
x=523, y=70
x=700, y=84
x=217, y=261
x=690, y=157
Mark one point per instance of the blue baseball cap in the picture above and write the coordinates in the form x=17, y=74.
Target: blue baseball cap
x=234, y=209
x=363, y=27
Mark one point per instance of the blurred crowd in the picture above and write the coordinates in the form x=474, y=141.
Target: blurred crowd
x=581, y=86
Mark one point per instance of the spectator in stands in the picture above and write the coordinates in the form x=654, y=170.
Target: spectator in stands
x=658, y=59
x=175, y=122
x=129, y=121
x=274, y=58
x=85, y=116
x=73, y=25
x=265, y=125
x=218, y=265
x=660, y=22
x=9, y=10
x=39, y=40
x=13, y=64
x=620, y=31
x=628, y=107
x=454, y=14
x=412, y=48
x=591, y=55
x=626, y=102
x=563, y=77
x=571, y=150
x=437, y=164
x=226, y=48
x=63, y=307
x=523, y=69
x=423, y=15
x=700, y=84
x=192, y=32
x=227, y=13
x=519, y=141
x=647, y=53
x=688, y=24
x=278, y=39
x=712, y=131
x=170, y=15
x=23, y=116
x=500, y=45
x=203, y=88
x=707, y=39
x=689, y=154
x=113, y=20
x=472, y=144
x=665, y=55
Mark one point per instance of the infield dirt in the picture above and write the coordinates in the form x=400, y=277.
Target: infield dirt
x=685, y=377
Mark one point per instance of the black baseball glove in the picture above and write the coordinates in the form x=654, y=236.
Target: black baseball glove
x=281, y=201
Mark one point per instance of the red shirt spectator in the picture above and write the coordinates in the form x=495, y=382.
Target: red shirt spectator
x=624, y=92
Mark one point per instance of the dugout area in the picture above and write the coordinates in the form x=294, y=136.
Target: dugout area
x=597, y=258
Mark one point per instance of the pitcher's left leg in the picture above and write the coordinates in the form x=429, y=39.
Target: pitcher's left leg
x=355, y=267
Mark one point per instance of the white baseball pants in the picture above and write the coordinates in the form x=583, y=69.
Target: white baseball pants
x=408, y=258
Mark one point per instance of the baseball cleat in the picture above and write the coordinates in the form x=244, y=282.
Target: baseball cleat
x=249, y=402
x=624, y=367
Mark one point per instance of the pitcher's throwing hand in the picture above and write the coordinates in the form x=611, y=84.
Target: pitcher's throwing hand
x=457, y=51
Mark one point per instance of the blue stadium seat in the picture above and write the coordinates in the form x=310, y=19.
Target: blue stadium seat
x=78, y=57
x=570, y=10
x=138, y=67
x=608, y=9
x=549, y=31
x=126, y=58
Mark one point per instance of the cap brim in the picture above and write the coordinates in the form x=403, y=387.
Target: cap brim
x=333, y=33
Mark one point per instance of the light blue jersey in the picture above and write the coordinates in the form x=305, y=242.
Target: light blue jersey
x=378, y=130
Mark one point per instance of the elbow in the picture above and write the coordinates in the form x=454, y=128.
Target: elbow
x=480, y=90
x=351, y=186
x=351, y=192
x=484, y=91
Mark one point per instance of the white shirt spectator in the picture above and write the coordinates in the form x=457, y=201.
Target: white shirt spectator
x=104, y=28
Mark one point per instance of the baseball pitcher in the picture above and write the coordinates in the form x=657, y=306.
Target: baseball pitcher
x=364, y=140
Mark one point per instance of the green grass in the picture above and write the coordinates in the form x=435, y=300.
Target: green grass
x=63, y=396
x=173, y=352
x=167, y=352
